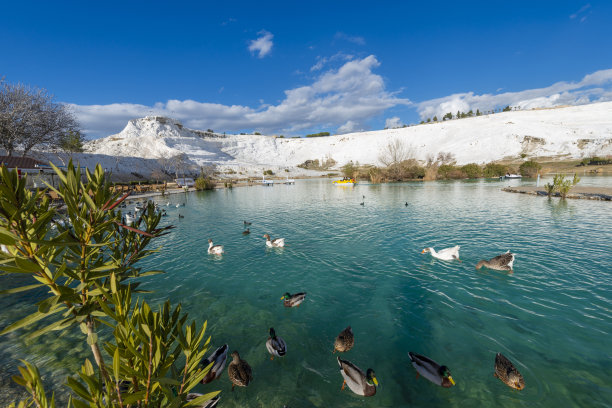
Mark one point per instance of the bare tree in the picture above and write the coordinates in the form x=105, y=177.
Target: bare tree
x=29, y=117
x=180, y=163
x=394, y=155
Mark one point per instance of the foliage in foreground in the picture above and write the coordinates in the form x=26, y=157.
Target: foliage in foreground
x=87, y=262
x=561, y=185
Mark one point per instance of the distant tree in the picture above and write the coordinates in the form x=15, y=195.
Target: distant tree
x=421, y=122
x=29, y=117
x=530, y=168
x=435, y=118
x=257, y=133
x=458, y=115
x=448, y=116
x=470, y=113
x=428, y=120
x=71, y=141
x=507, y=108
x=478, y=112
x=320, y=134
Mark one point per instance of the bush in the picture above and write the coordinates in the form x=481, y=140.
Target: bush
x=204, y=183
x=268, y=173
x=494, y=170
x=448, y=171
x=318, y=134
x=530, y=168
x=472, y=170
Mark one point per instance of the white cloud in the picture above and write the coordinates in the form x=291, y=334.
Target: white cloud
x=350, y=38
x=392, y=123
x=581, y=12
x=262, y=45
x=345, y=98
x=349, y=127
x=595, y=87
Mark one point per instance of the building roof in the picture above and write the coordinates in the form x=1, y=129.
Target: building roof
x=21, y=162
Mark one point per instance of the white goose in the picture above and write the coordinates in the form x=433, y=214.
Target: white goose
x=447, y=254
x=214, y=249
x=274, y=243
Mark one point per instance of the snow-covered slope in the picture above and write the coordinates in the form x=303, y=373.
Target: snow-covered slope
x=568, y=132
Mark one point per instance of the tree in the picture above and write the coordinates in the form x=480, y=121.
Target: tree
x=88, y=266
x=29, y=117
x=393, y=155
x=478, y=113
x=71, y=141
x=435, y=118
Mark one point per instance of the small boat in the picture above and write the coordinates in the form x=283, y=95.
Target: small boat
x=509, y=176
x=345, y=182
x=265, y=182
x=289, y=181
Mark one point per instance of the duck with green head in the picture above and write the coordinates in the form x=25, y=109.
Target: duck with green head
x=276, y=345
x=357, y=381
x=294, y=300
x=434, y=372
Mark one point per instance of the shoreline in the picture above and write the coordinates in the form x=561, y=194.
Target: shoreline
x=577, y=192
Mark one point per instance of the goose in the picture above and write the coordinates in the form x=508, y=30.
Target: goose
x=211, y=403
x=239, y=371
x=446, y=254
x=345, y=340
x=129, y=219
x=505, y=371
x=218, y=359
x=214, y=249
x=357, y=381
x=246, y=231
x=431, y=370
x=274, y=243
x=276, y=345
x=294, y=300
x=501, y=262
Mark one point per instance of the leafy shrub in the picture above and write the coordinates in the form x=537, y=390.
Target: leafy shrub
x=472, y=170
x=268, y=173
x=318, y=134
x=494, y=170
x=448, y=171
x=529, y=168
x=204, y=183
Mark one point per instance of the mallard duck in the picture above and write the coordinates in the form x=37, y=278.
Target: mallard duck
x=246, y=231
x=247, y=223
x=214, y=249
x=239, y=371
x=211, y=403
x=357, y=381
x=344, y=341
x=274, y=243
x=293, y=300
x=276, y=345
x=501, y=262
x=446, y=254
x=505, y=371
x=218, y=360
x=431, y=370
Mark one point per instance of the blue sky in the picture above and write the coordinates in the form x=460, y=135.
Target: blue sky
x=295, y=68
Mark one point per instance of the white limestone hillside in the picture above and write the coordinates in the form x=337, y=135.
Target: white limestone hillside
x=568, y=132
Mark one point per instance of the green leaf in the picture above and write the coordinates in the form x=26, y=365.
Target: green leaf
x=201, y=400
x=34, y=317
x=92, y=338
x=116, y=362
x=21, y=289
x=26, y=265
x=137, y=396
x=6, y=238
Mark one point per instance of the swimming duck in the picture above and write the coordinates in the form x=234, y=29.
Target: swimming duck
x=446, y=254
x=501, y=262
x=505, y=371
x=239, y=371
x=214, y=249
x=218, y=360
x=211, y=403
x=246, y=231
x=247, y=223
x=276, y=345
x=274, y=243
x=345, y=340
x=357, y=381
x=431, y=370
x=293, y=300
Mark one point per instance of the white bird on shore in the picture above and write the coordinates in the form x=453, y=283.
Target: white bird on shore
x=447, y=254
x=214, y=249
x=274, y=243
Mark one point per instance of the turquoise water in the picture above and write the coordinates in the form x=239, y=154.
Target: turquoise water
x=362, y=266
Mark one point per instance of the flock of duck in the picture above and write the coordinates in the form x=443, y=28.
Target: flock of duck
x=360, y=382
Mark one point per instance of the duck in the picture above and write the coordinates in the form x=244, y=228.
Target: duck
x=276, y=345
x=246, y=231
x=239, y=371
x=501, y=262
x=181, y=216
x=274, y=243
x=446, y=254
x=294, y=300
x=214, y=249
x=434, y=372
x=247, y=223
x=357, y=381
x=210, y=403
x=218, y=359
x=406, y=205
x=505, y=371
x=345, y=340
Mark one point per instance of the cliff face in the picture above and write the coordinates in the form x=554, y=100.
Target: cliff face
x=568, y=132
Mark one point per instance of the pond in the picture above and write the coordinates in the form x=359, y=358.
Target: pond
x=361, y=265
